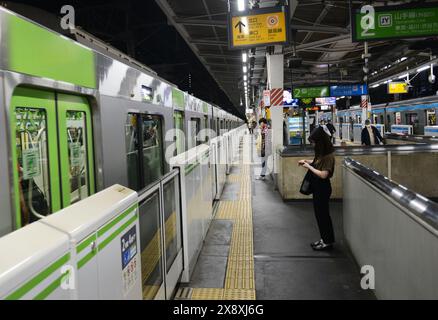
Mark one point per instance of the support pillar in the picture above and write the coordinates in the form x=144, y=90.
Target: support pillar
x=275, y=75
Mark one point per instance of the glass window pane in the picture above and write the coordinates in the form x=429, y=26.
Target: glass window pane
x=150, y=244
x=131, y=142
x=179, y=126
x=172, y=222
x=77, y=155
x=33, y=163
x=152, y=149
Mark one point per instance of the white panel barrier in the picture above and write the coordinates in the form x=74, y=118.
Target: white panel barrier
x=402, y=129
x=90, y=250
x=431, y=131
x=357, y=132
x=398, y=249
x=203, y=174
x=196, y=201
x=338, y=131
x=346, y=131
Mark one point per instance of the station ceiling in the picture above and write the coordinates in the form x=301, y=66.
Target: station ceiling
x=321, y=40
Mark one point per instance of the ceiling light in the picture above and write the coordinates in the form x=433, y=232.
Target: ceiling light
x=404, y=76
x=245, y=69
x=245, y=77
x=423, y=68
x=244, y=57
x=376, y=85
x=241, y=5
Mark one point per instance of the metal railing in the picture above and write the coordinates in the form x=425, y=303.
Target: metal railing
x=420, y=206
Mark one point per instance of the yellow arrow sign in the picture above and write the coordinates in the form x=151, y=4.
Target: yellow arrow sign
x=258, y=29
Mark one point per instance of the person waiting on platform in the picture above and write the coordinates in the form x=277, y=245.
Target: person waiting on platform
x=322, y=168
x=370, y=135
x=263, y=146
x=332, y=130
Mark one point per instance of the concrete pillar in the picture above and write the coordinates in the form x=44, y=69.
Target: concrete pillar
x=275, y=75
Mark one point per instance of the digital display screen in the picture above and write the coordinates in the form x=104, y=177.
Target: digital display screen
x=330, y=101
x=288, y=100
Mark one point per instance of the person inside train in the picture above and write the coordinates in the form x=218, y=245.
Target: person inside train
x=370, y=135
x=322, y=168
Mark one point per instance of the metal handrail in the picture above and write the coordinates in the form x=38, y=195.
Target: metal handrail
x=292, y=151
x=412, y=138
x=420, y=206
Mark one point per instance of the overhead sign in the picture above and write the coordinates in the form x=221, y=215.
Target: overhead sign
x=348, y=90
x=267, y=98
x=258, y=27
x=397, y=87
x=325, y=101
x=311, y=92
x=394, y=22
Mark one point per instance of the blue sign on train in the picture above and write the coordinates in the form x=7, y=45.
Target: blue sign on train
x=348, y=90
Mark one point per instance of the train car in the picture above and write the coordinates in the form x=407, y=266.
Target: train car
x=415, y=117
x=75, y=120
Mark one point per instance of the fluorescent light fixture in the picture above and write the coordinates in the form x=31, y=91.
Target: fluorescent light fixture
x=245, y=77
x=245, y=69
x=244, y=57
x=342, y=97
x=403, y=59
x=388, y=81
x=423, y=68
x=241, y=5
x=376, y=85
x=404, y=76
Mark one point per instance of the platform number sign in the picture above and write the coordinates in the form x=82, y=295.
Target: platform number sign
x=367, y=22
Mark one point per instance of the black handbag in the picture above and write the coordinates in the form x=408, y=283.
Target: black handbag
x=306, y=185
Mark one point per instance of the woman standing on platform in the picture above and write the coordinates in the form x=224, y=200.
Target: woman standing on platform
x=322, y=168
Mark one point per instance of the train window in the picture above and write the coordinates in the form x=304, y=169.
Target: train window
x=33, y=163
x=150, y=246
x=206, y=127
x=178, y=118
x=144, y=148
x=77, y=155
x=152, y=149
x=195, y=128
x=172, y=222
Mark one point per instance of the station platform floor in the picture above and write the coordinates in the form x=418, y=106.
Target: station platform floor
x=258, y=246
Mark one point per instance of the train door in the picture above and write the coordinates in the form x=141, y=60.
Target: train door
x=53, y=153
x=178, y=119
x=206, y=137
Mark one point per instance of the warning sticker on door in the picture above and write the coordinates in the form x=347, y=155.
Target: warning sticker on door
x=129, y=259
x=75, y=154
x=31, y=163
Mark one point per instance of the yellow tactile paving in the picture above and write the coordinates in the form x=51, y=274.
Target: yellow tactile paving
x=239, y=294
x=239, y=277
x=208, y=294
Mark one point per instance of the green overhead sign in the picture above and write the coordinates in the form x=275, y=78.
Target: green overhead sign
x=311, y=92
x=394, y=22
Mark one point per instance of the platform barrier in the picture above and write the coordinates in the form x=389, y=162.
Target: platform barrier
x=393, y=232
x=415, y=166
x=90, y=250
x=431, y=131
x=402, y=129
x=203, y=171
x=357, y=133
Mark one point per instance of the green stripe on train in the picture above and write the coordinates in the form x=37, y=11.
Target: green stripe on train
x=39, y=52
x=39, y=278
